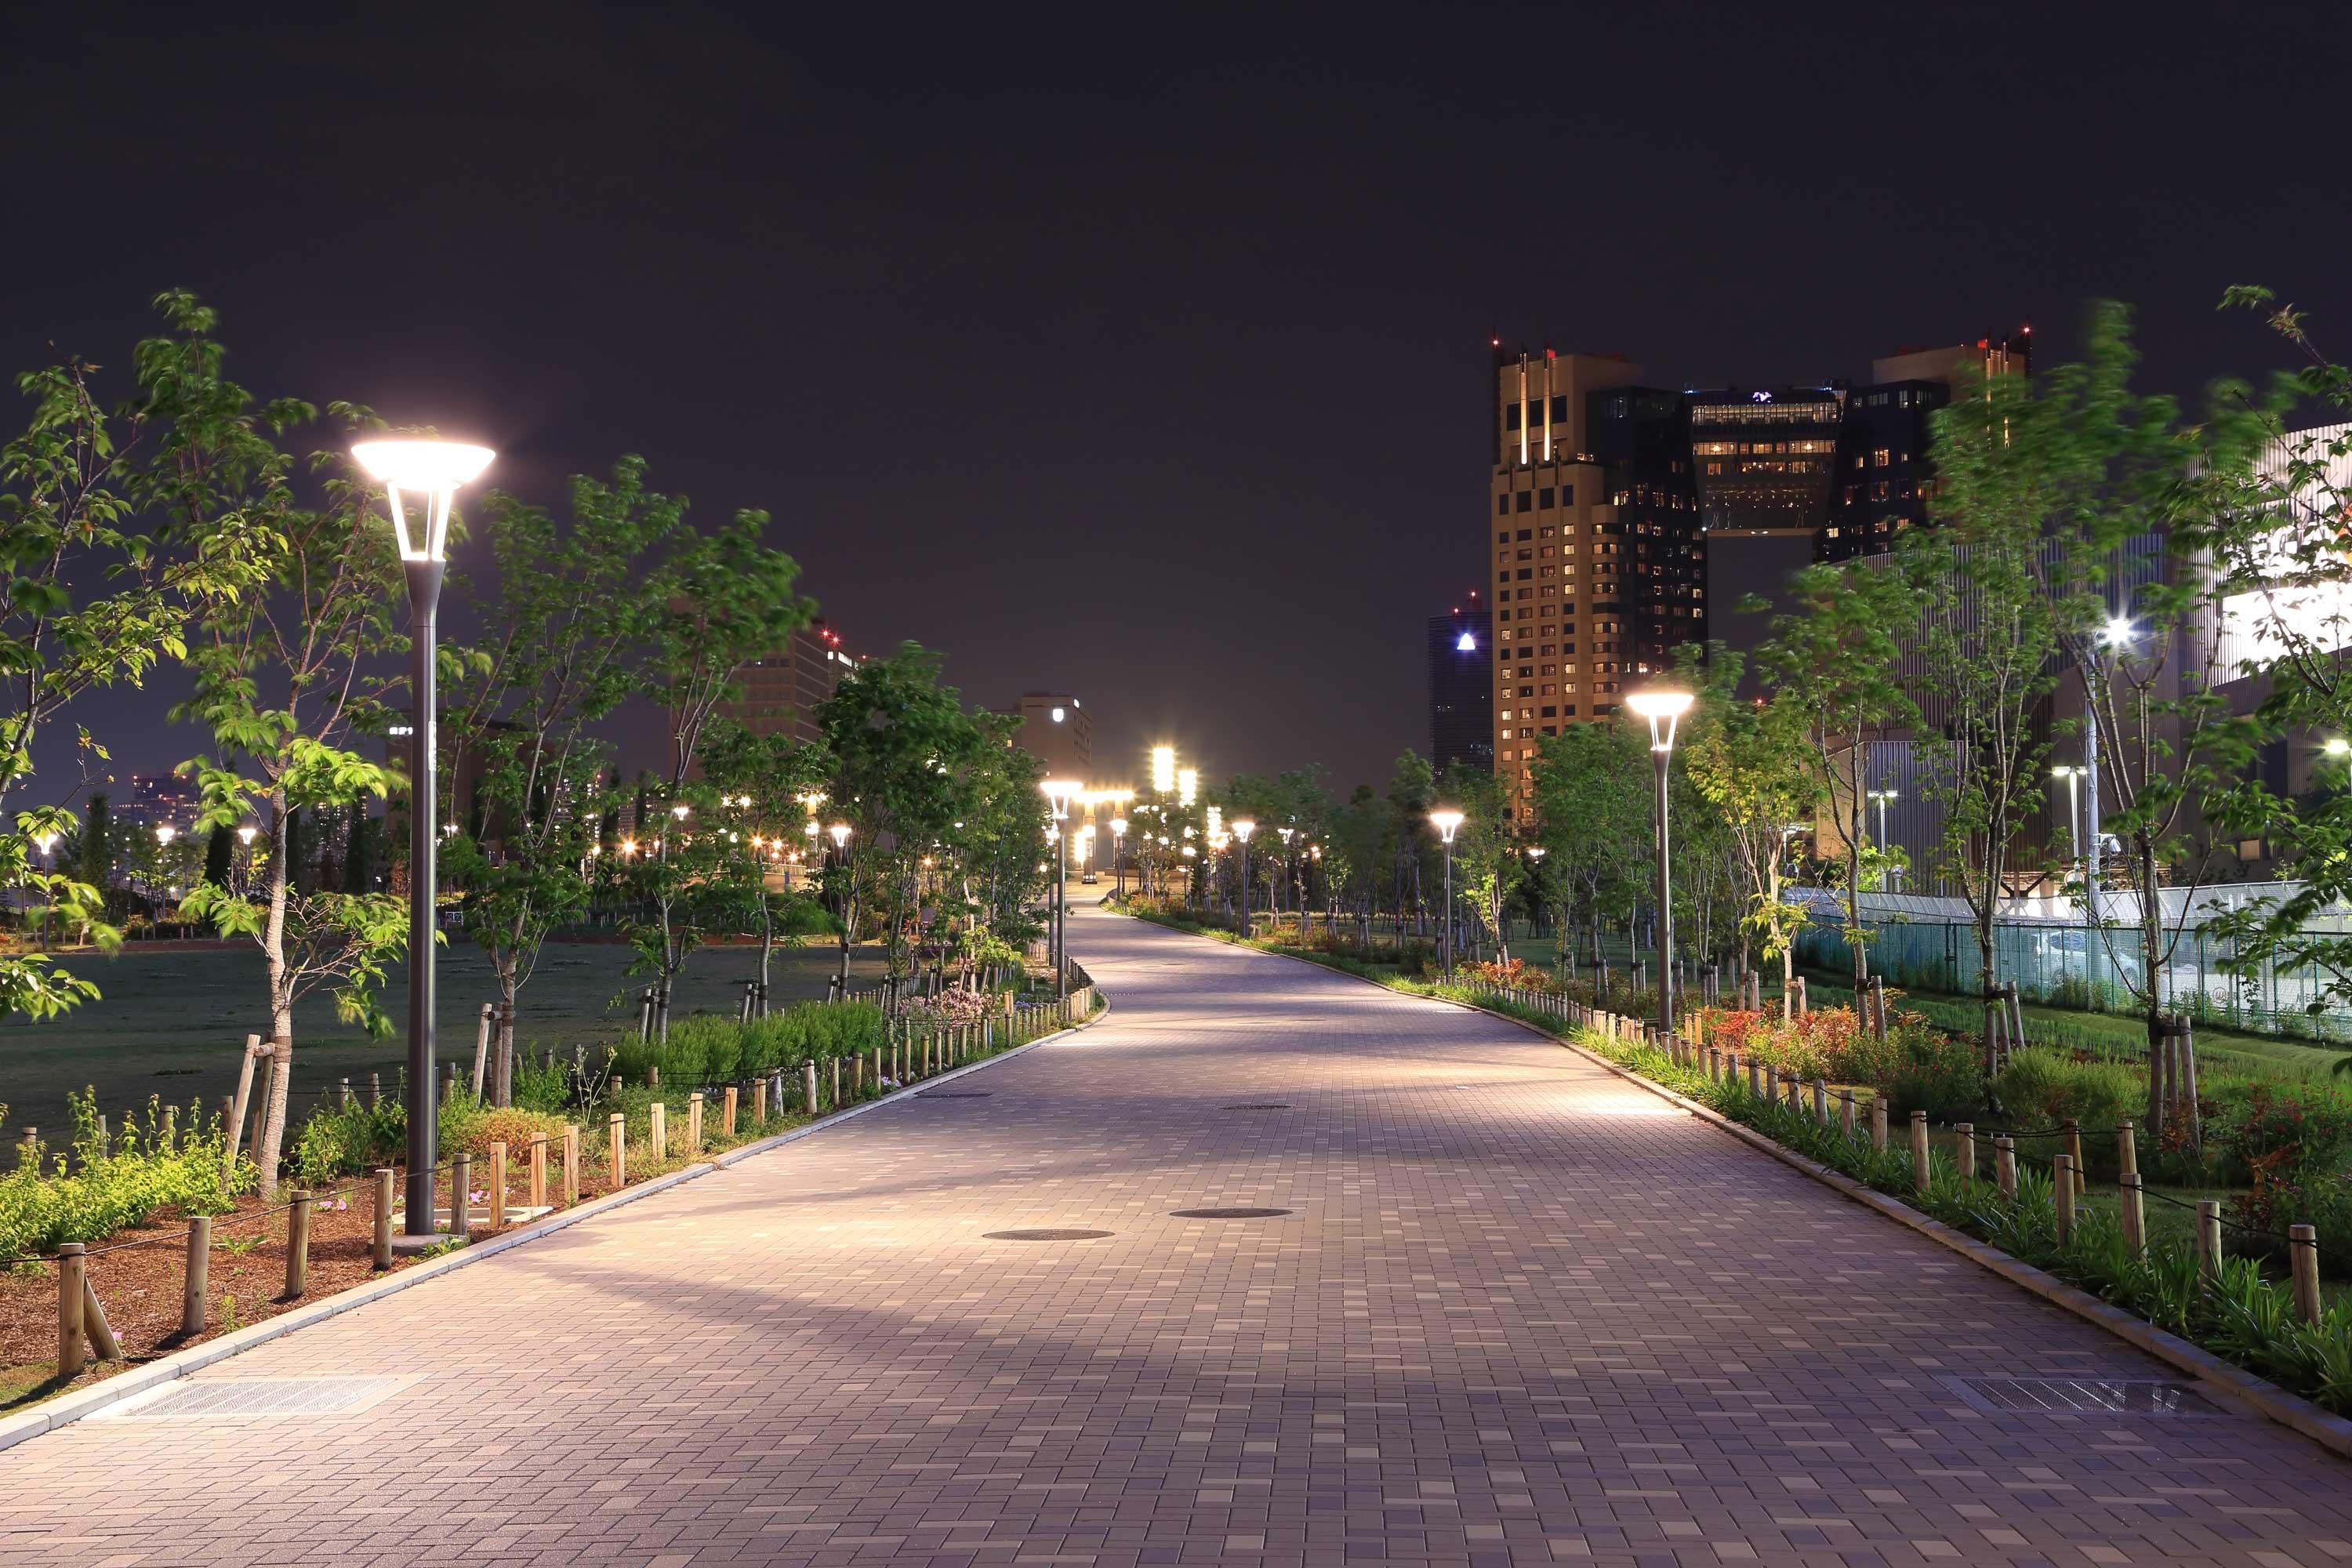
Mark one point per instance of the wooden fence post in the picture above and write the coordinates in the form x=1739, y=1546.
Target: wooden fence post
x=570, y=1164
x=727, y=1114
x=2062, y=1191
x=2127, y=1150
x=72, y=1285
x=1966, y=1149
x=2209, y=1237
x=2075, y=1151
x=197, y=1278
x=497, y=1183
x=1772, y=1080
x=694, y=1124
x=234, y=1116
x=382, y=1216
x=298, y=1245
x=617, y=1151
x=837, y=1083
x=808, y=1084
x=1845, y=1111
x=2135, y=1216
x=659, y=1135
x=461, y=1198
x=1878, y=1122
x=2302, y=1257
x=2004, y=1164
x=1822, y=1101
x=539, y=1171
x=759, y=1101
x=1921, y=1171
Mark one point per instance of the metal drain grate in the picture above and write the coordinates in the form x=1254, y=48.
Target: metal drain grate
x=2084, y=1396
x=1045, y=1235
x=954, y=1093
x=1226, y=1214
x=214, y=1398
x=1253, y=1107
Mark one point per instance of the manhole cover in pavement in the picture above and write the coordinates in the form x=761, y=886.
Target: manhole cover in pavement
x=955, y=1094
x=1226, y=1214
x=1253, y=1107
x=1044, y=1234
x=228, y=1396
x=2084, y=1396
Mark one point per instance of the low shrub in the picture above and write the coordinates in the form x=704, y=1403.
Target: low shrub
x=2042, y=1086
x=704, y=1051
x=2289, y=1133
x=122, y=1182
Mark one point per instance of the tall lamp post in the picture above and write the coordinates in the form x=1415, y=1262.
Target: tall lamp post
x=1118, y=852
x=1448, y=822
x=1664, y=708
x=431, y=471
x=1060, y=792
x=1884, y=797
x=1243, y=829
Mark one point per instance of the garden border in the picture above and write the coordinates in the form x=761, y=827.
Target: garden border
x=2266, y=1398
x=66, y=1409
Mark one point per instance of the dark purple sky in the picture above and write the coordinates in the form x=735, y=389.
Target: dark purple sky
x=1137, y=353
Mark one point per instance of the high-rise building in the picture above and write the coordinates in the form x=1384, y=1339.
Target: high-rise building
x=779, y=694
x=1461, y=686
x=157, y=799
x=1884, y=478
x=1058, y=732
x=1598, y=558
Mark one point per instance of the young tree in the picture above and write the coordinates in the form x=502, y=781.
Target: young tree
x=571, y=613
x=1836, y=658
x=1748, y=759
x=1487, y=861
x=286, y=678
x=115, y=528
x=902, y=750
x=1592, y=788
x=1986, y=658
x=2270, y=502
x=723, y=599
x=762, y=780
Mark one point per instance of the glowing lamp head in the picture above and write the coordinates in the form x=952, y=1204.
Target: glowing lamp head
x=1118, y=827
x=1243, y=829
x=1662, y=707
x=48, y=841
x=840, y=834
x=811, y=828
x=1536, y=851
x=433, y=470
x=1060, y=792
x=2338, y=746
x=1163, y=768
x=247, y=834
x=1188, y=785
x=1448, y=822
x=680, y=810
x=166, y=832
x=2117, y=632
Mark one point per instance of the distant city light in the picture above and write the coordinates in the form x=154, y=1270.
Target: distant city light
x=1465, y=643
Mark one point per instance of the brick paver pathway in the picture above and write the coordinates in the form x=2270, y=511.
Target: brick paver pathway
x=1521, y=1313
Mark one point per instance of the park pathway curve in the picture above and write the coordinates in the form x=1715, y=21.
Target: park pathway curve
x=1518, y=1311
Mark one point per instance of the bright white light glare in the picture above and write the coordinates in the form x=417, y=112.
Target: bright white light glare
x=1188, y=785
x=840, y=831
x=1465, y=643
x=431, y=468
x=1059, y=715
x=1061, y=792
x=1448, y=821
x=2118, y=629
x=1163, y=768
x=1243, y=827
x=1657, y=704
x=2338, y=746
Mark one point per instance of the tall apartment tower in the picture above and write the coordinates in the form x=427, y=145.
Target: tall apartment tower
x=1597, y=553
x=1461, y=686
x=778, y=693
x=1058, y=732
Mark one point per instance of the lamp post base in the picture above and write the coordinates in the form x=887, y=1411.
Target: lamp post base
x=406, y=1245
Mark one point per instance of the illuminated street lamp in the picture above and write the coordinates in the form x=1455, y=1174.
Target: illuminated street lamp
x=2338, y=746
x=1163, y=768
x=1884, y=797
x=1243, y=829
x=1059, y=793
x=1118, y=852
x=1664, y=708
x=1449, y=822
x=1188, y=785
x=431, y=472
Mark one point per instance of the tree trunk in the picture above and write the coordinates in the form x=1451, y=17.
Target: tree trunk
x=506, y=965
x=282, y=1003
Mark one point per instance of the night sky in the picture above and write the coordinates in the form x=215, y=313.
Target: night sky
x=1137, y=353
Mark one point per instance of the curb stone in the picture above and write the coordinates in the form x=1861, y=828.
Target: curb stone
x=66, y=1409
x=2265, y=1398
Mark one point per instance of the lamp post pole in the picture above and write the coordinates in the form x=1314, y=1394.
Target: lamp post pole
x=1662, y=709
x=431, y=470
x=423, y=1134
x=1448, y=822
